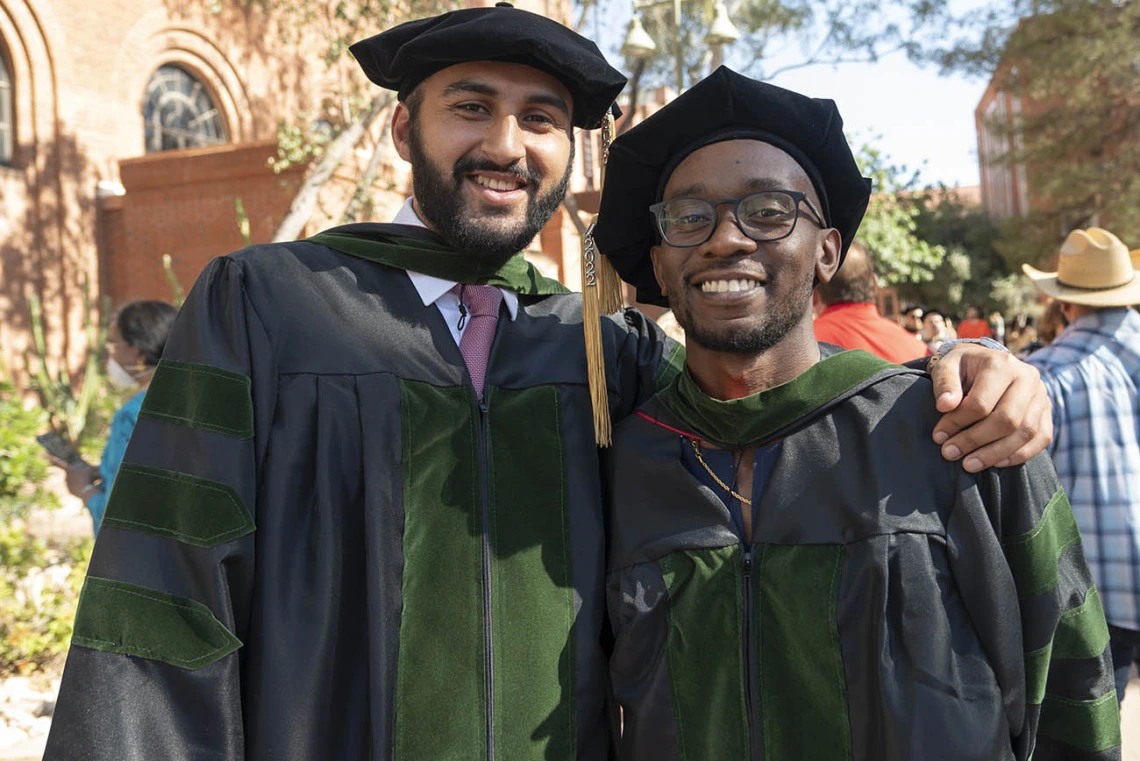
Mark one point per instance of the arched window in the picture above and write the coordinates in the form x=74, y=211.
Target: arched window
x=7, y=128
x=179, y=113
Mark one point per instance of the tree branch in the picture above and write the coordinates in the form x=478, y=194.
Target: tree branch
x=586, y=6
x=832, y=62
x=363, y=192
x=634, y=93
x=306, y=199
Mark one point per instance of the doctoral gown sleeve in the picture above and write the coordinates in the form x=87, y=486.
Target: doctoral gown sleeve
x=1020, y=567
x=154, y=670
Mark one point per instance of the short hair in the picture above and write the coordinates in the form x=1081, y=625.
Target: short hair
x=854, y=281
x=413, y=102
x=146, y=325
x=911, y=307
x=934, y=312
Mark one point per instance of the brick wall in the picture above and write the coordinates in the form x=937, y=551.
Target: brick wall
x=79, y=72
x=182, y=204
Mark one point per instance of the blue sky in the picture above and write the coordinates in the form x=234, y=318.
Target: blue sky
x=918, y=118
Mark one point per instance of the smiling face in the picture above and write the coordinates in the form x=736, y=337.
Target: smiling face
x=731, y=293
x=490, y=144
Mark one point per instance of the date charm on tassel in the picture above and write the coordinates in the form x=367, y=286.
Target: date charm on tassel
x=601, y=296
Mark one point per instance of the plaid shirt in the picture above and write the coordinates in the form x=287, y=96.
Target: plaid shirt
x=1092, y=372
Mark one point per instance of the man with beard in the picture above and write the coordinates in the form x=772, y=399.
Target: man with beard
x=402, y=413
x=794, y=571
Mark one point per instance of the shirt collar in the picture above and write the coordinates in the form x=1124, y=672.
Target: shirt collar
x=432, y=289
x=407, y=216
x=1110, y=318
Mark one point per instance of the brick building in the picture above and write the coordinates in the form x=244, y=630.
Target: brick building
x=1005, y=187
x=129, y=127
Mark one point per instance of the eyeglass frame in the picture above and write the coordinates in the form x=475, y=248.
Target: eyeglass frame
x=796, y=196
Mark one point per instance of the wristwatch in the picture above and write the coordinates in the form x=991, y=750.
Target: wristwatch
x=989, y=343
x=948, y=346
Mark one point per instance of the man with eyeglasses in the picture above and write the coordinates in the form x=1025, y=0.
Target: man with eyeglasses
x=364, y=513
x=794, y=572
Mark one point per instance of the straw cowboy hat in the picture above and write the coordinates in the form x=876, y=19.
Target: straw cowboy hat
x=1094, y=269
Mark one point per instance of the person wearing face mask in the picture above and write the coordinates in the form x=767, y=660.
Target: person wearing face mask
x=135, y=342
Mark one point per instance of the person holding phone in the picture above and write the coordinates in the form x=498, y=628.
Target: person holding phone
x=135, y=342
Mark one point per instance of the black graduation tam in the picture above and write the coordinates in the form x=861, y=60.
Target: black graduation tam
x=724, y=106
x=402, y=57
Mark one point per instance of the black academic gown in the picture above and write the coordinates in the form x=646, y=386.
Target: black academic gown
x=323, y=545
x=888, y=606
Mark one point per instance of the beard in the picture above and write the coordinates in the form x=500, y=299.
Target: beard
x=778, y=319
x=486, y=236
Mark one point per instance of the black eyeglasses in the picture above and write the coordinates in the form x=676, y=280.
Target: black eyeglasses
x=764, y=216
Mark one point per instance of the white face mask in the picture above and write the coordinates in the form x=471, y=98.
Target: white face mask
x=119, y=376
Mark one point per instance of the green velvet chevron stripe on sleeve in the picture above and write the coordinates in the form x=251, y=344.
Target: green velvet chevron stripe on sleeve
x=1033, y=556
x=200, y=396
x=180, y=506
x=1081, y=633
x=1091, y=725
x=1069, y=679
x=117, y=617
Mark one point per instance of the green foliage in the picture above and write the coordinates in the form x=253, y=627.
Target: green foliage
x=177, y=294
x=889, y=229
x=68, y=413
x=1071, y=68
x=297, y=144
x=23, y=466
x=39, y=591
x=824, y=31
x=100, y=413
x=331, y=27
x=242, y=222
x=973, y=264
x=1014, y=294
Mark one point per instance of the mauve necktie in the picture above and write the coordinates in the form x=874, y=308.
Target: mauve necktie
x=481, y=303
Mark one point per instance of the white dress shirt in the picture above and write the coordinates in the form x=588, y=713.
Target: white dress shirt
x=435, y=290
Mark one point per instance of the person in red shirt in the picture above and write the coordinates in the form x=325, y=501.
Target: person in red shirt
x=850, y=318
x=974, y=326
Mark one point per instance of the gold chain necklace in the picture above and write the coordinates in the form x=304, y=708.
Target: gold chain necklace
x=697, y=450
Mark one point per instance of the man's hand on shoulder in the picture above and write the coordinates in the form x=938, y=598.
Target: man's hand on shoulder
x=1004, y=418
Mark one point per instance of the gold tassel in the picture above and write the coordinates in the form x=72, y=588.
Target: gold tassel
x=595, y=351
x=601, y=295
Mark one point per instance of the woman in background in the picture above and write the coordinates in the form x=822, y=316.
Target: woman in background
x=135, y=342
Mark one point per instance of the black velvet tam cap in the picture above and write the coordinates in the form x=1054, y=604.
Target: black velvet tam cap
x=724, y=106
x=402, y=57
